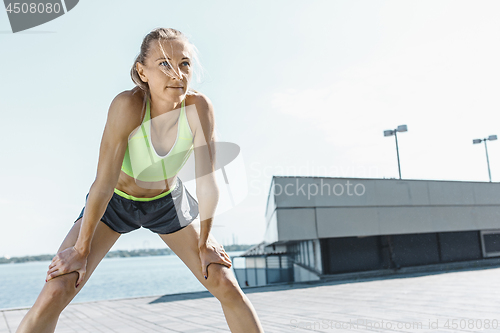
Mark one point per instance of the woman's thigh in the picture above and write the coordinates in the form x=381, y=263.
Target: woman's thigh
x=63, y=286
x=184, y=243
x=102, y=241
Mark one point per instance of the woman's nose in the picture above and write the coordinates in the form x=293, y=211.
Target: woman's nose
x=177, y=74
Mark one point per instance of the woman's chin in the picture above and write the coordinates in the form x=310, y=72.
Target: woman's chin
x=175, y=91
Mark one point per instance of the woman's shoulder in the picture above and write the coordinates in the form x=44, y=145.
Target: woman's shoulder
x=200, y=100
x=130, y=102
x=132, y=97
x=202, y=114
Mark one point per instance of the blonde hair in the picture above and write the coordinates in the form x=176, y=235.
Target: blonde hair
x=163, y=34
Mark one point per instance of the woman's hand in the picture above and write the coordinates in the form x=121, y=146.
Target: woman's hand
x=67, y=261
x=212, y=253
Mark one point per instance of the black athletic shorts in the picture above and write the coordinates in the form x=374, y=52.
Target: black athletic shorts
x=164, y=214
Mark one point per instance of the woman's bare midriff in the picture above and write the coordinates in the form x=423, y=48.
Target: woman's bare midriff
x=140, y=189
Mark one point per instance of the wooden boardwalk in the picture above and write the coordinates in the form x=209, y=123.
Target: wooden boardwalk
x=465, y=299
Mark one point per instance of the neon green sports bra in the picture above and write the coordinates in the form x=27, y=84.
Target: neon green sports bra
x=141, y=160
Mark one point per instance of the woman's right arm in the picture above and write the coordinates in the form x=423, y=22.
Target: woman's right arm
x=121, y=121
x=119, y=125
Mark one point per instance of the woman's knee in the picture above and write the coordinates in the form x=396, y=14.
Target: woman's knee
x=59, y=291
x=223, y=285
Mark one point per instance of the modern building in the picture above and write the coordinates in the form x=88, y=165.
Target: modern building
x=318, y=227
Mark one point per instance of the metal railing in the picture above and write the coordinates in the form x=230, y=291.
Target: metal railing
x=261, y=270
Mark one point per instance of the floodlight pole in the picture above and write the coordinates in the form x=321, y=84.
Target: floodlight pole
x=491, y=138
x=400, y=128
x=397, y=152
x=487, y=159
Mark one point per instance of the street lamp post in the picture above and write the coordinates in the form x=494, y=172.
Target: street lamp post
x=401, y=128
x=491, y=138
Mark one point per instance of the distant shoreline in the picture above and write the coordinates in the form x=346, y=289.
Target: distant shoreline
x=117, y=254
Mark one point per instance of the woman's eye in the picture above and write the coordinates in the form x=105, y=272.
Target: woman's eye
x=165, y=63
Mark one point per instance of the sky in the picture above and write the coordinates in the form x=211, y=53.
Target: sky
x=304, y=88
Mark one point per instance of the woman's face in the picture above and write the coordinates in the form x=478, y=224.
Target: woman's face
x=168, y=70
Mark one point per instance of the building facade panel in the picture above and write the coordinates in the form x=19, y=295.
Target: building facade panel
x=451, y=193
x=345, y=222
x=271, y=234
x=487, y=217
x=351, y=254
x=296, y=224
x=486, y=193
x=460, y=245
x=415, y=249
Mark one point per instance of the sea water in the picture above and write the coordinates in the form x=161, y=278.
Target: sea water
x=113, y=278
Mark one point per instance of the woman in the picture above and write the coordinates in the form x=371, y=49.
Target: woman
x=146, y=141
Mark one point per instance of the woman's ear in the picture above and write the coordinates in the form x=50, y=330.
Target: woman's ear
x=140, y=71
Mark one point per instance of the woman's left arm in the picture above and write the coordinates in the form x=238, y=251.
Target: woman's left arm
x=207, y=190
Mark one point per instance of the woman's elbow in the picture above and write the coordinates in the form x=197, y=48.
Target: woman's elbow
x=207, y=189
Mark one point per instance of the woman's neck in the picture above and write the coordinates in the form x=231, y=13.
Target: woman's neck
x=161, y=106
